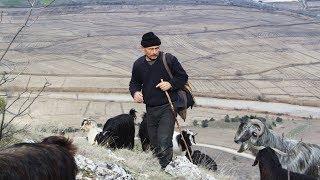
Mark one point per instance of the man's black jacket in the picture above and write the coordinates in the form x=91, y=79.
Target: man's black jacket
x=145, y=77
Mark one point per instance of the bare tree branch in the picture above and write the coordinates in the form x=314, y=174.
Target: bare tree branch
x=3, y=64
x=31, y=3
x=17, y=75
x=12, y=113
x=17, y=98
x=37, y=17
x=16, y=35
x=27, y=107
x=6, y=78
x=25, y=101
x=3, y=78
x=49, y=4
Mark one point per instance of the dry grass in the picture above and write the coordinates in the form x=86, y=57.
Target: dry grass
x=141, y=165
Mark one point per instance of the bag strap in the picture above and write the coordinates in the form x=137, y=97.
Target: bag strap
x=165, y=63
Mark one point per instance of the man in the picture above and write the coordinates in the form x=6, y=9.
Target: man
x=146, y=87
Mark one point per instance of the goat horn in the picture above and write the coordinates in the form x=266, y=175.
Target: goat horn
x=275, y=149
x=260, y=124
x=280, y=152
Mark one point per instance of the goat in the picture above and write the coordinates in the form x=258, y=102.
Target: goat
x=301, y=157
x=179, y=146
x=198, y=158
x=271, y=169
x=118, y=131
x=143, y=134
x=92, y=130
x=51, y=159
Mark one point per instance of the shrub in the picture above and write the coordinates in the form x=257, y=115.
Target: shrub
x=260, y=97
x=234, y=158
x=238, y=73
x=226, y=118
x=195, y=123
x=235, y=119
x=204, y=123
x=279, y=119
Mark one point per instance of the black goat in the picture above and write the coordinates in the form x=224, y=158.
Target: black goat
x=119, y=131
x=271, y=169
x=51, y=159
x=143, y=134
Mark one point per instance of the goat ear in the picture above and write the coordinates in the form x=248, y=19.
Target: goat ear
x=194, y=141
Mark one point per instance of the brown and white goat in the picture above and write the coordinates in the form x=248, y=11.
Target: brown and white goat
x=91, y=128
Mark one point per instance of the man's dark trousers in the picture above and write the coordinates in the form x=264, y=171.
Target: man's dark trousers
x=160, y=122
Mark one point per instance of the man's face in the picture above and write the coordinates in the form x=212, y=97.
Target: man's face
x=152, y=52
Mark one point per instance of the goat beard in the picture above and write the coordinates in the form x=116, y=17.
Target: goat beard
x=243, y=147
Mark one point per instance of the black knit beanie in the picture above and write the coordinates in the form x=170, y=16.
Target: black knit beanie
x=149, y=39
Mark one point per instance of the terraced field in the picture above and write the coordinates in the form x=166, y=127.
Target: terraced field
x=228, y=51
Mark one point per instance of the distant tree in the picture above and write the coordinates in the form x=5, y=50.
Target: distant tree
x=279, y=119
x=195, y=123
x=226, y=118
x=205, y=123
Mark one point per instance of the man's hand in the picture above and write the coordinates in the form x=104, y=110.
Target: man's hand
x=138, y=97
x=164, y=86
